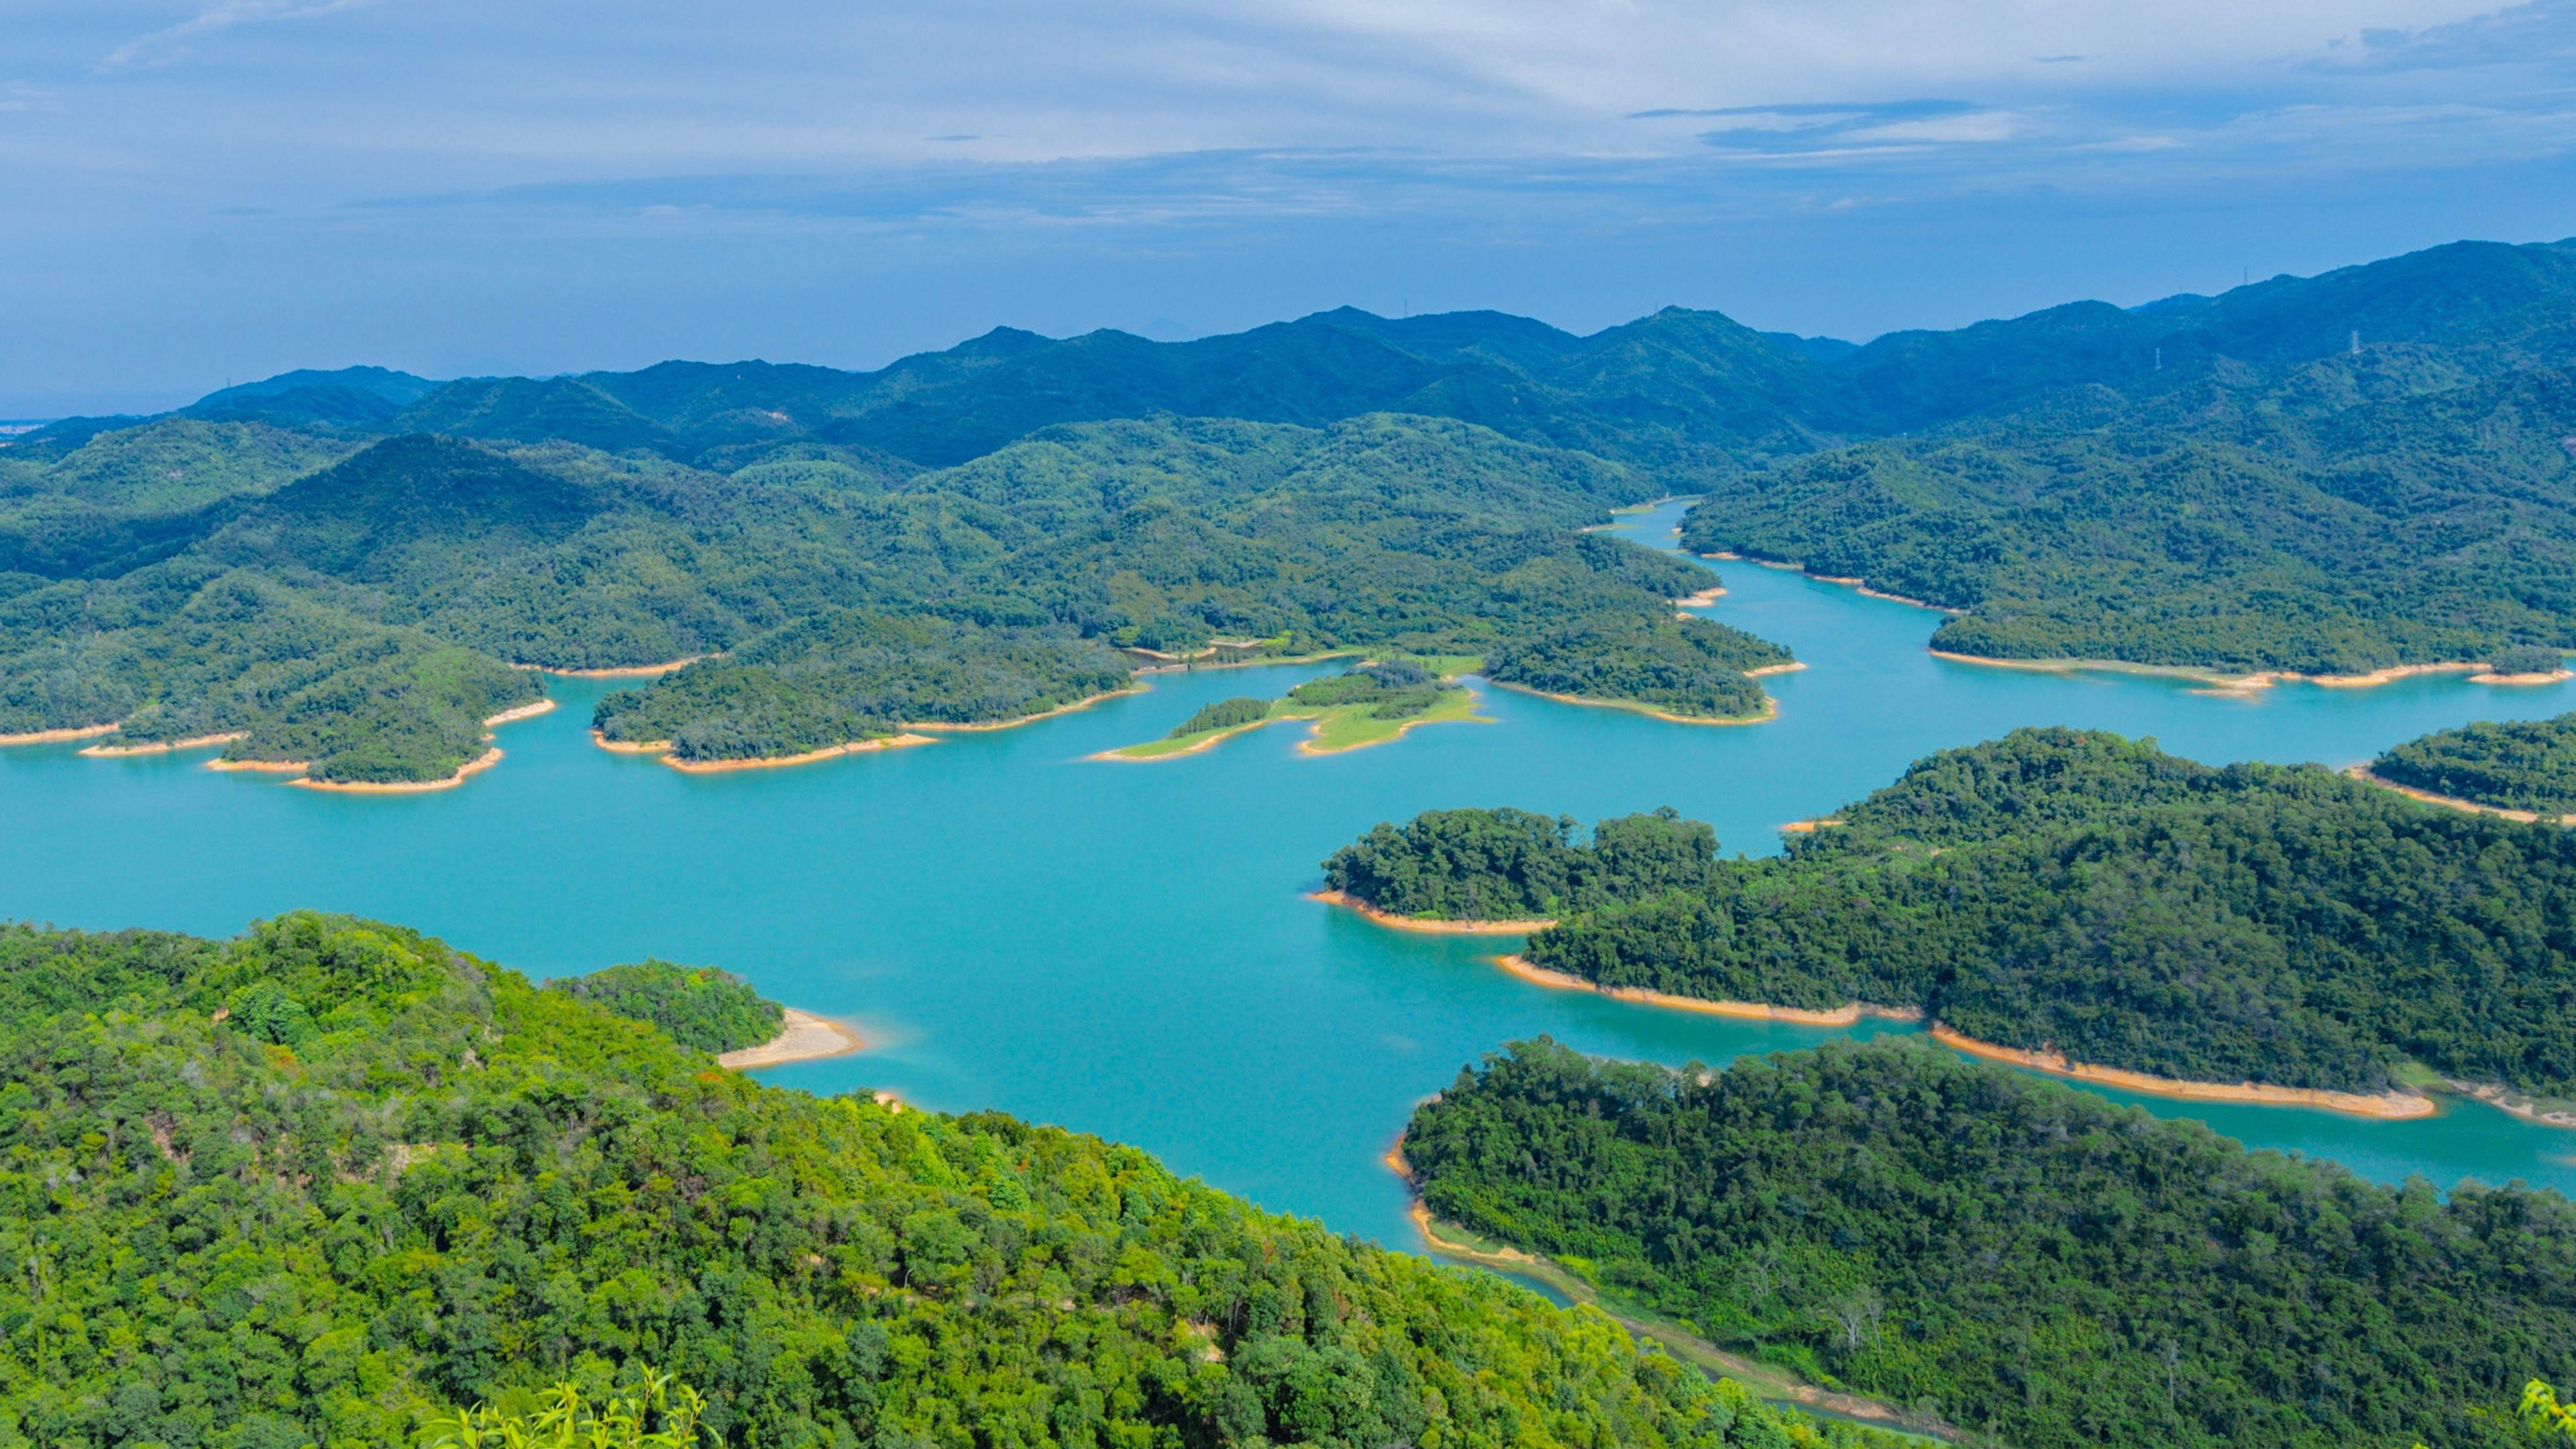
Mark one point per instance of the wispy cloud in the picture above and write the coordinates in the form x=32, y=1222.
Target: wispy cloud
x=173, y=42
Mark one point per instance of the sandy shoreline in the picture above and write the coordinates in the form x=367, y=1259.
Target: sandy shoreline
x=1434, y=927
x=2502, y=1100
x=1770, y=706
x=2394, y=1106
x=268, y=767
x=194, y=742
x=771, y=762
x=2447, y=802
x=529, y=710
x=2221, y=682
x=629, y=671
x=475, y=766
x=1703, y=597
x=1808, y=827
x=1207, y=740
x=802, y=1037
x=55, y=737
x=977, y=726
x=1705, y=1006
x=1863, y=589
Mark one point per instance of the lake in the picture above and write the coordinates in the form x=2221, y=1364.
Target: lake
x=1125, y=948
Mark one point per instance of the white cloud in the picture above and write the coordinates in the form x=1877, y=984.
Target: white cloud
x=171, y=42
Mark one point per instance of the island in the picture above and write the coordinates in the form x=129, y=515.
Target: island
x=1510, y=869
x=363, y=1120
x=2024, y=1260
x=2087, y=904
x=1371, y=704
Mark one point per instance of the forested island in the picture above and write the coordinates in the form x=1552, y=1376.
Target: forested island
x=2089, y=899
x=2525, y=765
x=699, y=1007
x=2023, y=1258
x=340, y=568
x=1513, y=865
x=1368, y=705
x=322, y=1182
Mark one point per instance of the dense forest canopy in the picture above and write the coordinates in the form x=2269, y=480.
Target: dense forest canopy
x=323, y=1182
x=2026, y=1258
x=1506, y=864
x=2079, y=892
x=2214, y=482
x=991, y=591
x=2516, y=765
x=696, y=1006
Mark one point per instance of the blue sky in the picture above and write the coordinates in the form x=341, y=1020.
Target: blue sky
x=200, y=190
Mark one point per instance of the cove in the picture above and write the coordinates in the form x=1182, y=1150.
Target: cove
x=1126, y=949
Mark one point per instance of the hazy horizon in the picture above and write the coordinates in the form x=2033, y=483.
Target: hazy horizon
x=234, y=188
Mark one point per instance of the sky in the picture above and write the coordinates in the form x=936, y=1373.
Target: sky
x=201, y=191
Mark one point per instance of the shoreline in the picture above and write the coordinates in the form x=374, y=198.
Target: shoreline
x=1207, y=740
x=1706, y=1006
x=1701, y=598
x=529, y=710
x=802, y=1037
x=1430, y=926
x=770, y=762
x=271, y=767
x=1808, y=827
x=1837, y=581
x=2447, y=802
x=2502, y=1100
x=56, y=737
x=1312, y=743
x=979, y=726
x=194, y=742
x=475, y=766
x=2219, y=682
x=623, y=671
x=2390, y=1106
x=1770, y=706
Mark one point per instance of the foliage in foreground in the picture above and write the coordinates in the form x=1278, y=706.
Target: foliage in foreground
x=1498, y=865
x=2519, y=765
x=696, y=1006
x=2060, y=889
x=2026, y=1258
x=391, y=1181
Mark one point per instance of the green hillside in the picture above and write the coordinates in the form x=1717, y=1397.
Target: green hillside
x=2086, y=894
x=2518, y=765
x=319, y=1183
x=2026, y=1258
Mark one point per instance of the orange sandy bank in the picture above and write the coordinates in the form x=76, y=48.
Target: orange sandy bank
x=1863, y=589
x=2392, y=1105
x=855, y=747
x=2499, y=1098
x=630, y=671
x=54, y=737
x=1770, y=707
x=2450, y=802
x=1807, y=827
x=941, y=727
x=525, y=711
x=2262, y=679
x=1753, y=1010
x=266, y=767
x=1416, y=923
x=802, y=1037
x=1708, y=595
x=199, y=742
x=474, y=766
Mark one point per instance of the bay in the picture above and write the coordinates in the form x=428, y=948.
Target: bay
x=1125, y=948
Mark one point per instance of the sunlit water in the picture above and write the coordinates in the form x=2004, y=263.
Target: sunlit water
x=1126, y=948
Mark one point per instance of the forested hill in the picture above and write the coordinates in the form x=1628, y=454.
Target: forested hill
x=2058, y=890
x=313, y=1185
x=2518, y=765
x=2026, y=1258
x=333, y=567
x=363, y=617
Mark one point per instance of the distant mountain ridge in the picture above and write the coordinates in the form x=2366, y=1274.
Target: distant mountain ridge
x=1689, y=391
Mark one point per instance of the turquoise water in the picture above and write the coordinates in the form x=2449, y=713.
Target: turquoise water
x=1124, y=948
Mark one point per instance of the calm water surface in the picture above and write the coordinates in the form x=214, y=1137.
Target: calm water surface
x=1124, y=948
